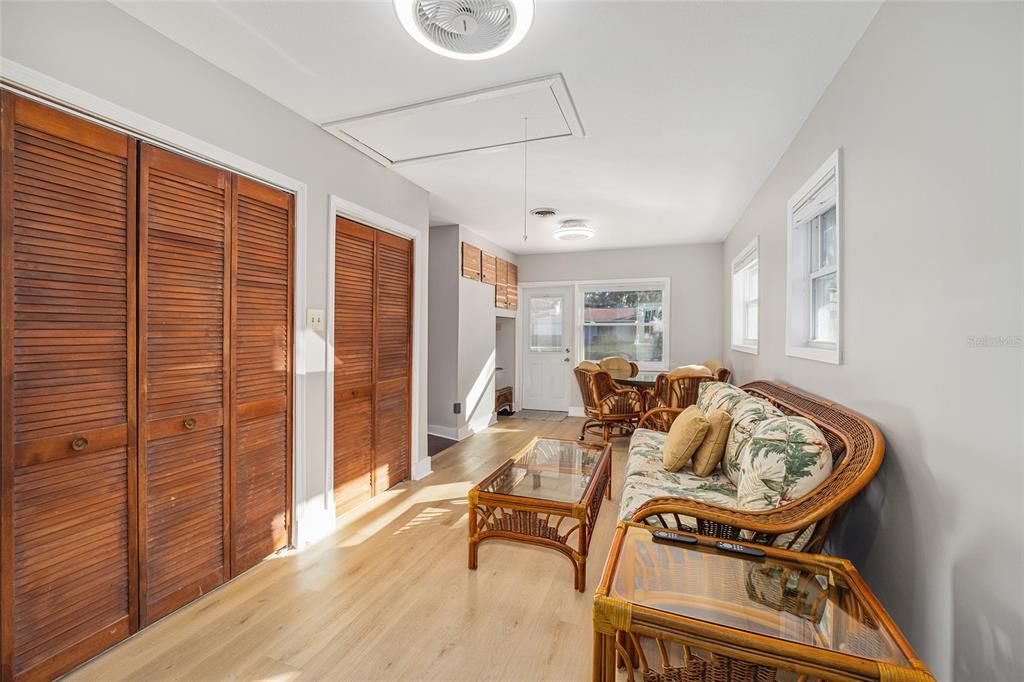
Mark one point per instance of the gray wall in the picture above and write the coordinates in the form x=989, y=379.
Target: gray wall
x=462, y=335
x=99, y=49
x=443, y=327
x=695, y=317
x=928, y=112
x=476, y=356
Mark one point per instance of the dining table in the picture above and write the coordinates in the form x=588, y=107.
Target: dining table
x=642, y=380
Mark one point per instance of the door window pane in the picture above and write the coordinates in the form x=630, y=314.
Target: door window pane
x=545, y=324
x=824, y=308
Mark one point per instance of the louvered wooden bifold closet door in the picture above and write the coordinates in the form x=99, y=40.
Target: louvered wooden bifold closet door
x=184, y=353
x=372, y=362
x=68, y=402
x=261, y=479
x=353, y=364
x=146, y=392
x=393, y=333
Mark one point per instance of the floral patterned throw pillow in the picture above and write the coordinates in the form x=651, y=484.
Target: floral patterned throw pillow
x=746, y=416
x=717, y=395
x=784, y=459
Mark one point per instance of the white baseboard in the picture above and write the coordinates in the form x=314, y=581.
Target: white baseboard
x=316, y=523
x=443, y=432
x=576, y=411
x=421, y=469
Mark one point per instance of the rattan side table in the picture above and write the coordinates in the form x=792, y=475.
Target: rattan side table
x=689, y=612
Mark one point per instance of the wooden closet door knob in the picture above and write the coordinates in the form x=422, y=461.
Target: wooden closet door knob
x=79, y=444
x=190, y=422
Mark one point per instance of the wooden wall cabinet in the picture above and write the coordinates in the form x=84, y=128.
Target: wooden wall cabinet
x=512, y=289
x=489, y=269
x=146, y=383
x=471, y=261
x=501, y=285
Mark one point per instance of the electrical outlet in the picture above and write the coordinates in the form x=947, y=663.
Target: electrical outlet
x=457, y=408
x=315, y=319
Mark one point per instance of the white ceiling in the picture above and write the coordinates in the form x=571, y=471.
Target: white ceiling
x=686, y=105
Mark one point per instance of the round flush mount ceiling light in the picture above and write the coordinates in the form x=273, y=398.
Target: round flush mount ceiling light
x=466, y=29
x=571, y=230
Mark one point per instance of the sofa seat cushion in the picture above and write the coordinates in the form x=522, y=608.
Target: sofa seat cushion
x=646, y=452
x=713, y=489
x=646, y=478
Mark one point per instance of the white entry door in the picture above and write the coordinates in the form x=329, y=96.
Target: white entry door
x=547, y=371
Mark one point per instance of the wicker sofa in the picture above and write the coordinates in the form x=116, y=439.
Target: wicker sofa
x=708, y=505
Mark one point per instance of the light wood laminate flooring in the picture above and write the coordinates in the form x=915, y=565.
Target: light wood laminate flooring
x=389, y=596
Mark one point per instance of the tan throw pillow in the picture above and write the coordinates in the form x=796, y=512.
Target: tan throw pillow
x=710, y=452
x=589, y=366
x=617, y=366
x=685, y=436
x=690, y=371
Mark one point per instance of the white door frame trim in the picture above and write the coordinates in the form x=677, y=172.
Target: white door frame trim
x=54, y=92
x=520, y=345
x=419, y=466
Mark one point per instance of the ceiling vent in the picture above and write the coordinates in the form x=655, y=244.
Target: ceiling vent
x=544, y=212
x=466, y=29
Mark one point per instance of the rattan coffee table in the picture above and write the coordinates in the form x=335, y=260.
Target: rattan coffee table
x=692, y=611
x=548, y=494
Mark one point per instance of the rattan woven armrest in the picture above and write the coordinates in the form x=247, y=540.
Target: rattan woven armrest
x=629, y=398
x=785, y=519
x=659, y=419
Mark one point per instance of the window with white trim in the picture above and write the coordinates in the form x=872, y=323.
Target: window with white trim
x=628, y=318
x=812, y=268
x=745, y=299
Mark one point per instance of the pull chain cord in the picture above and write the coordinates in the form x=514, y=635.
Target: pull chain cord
x=526, y=205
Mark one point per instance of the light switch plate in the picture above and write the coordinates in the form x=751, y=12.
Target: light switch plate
x=315, y=319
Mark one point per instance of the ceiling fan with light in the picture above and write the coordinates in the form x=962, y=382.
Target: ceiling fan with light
x=466, y=29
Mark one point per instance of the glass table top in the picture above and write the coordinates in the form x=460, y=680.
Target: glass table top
x=640, y=378
x=808, y=603
x=548, y=469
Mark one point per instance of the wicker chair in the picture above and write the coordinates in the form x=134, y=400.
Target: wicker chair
x=619, y=367
x=857, y=451
x=611, y=411
x=719, y=371
x=677, y=388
